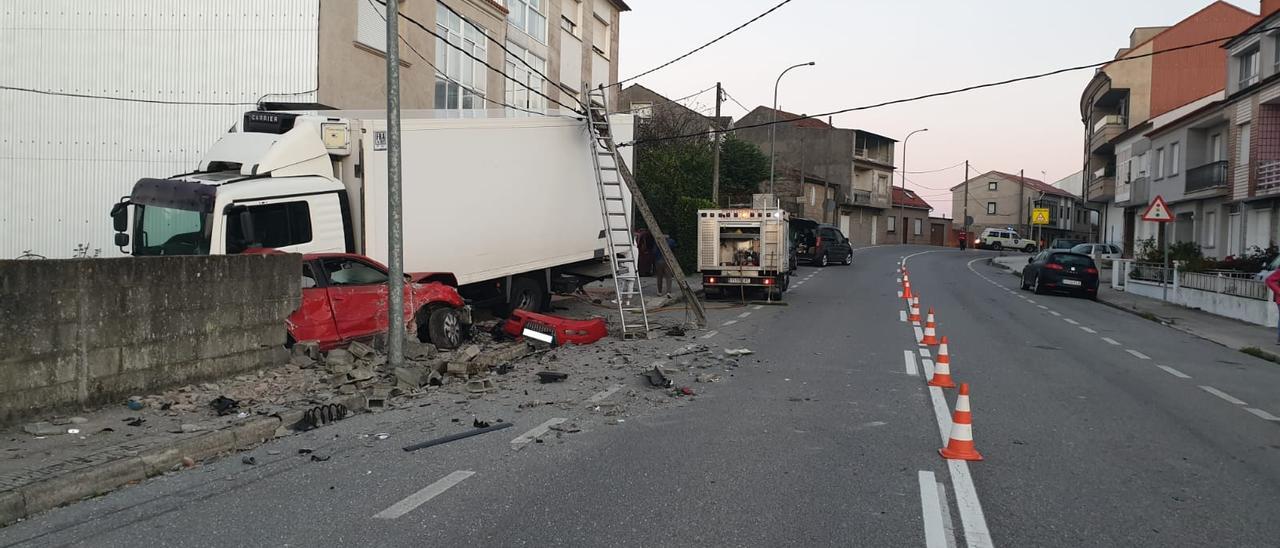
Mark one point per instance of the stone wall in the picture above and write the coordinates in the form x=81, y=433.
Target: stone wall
x=82, y=332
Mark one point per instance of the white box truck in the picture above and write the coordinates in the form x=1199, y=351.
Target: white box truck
x=508, y=205
x=742, y=250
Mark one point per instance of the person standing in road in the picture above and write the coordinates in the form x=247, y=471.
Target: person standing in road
x=663, y=270
x=1273, y=283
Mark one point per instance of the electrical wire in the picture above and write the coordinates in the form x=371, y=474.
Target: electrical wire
x=951, y=91
x=735, y=101
x=473, y=57
x=699, y=48
x=149, y=101
x=669, y=101
x=932, y=170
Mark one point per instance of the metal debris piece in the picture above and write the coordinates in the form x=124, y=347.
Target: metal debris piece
x=546, y=377
x=458, y=436
x=657, y=378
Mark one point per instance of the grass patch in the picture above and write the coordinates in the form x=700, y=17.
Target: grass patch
x=1261, y=354
x=1149, y=316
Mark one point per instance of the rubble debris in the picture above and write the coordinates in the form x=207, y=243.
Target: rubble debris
x=308, y=349
x=321, y=415
x=378, y=397
x=470, y=352
x=77, y=420
x=477, y=386
x=657, y=378
x=479, y=423
x=458, y=436
x=248, y=459
x=570, y=428
x=43, y=428
x=505, y=368
x=738, y=351
x=135, y=421
x=319, y=458
x=502, y=356
x=224, y=405
x=676, y=331
x=189, y=428
x=338, y=356
x=188, y=462
x=689, y=349
x=360, y=350
x=708, y=377
x=545, y=377
x=273, y=451
x=359, y=374
x=419, y=351
x=412, y=375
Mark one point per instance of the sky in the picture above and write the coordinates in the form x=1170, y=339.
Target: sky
x=869, y=51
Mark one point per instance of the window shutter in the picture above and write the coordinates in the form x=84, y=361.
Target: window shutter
x=371, y=26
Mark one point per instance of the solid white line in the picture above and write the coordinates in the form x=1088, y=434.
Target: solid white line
x=1225, y=396
x=1174, y=372
x=1071, y=321
x=427, y=493
x=757, y=307
x=909, y=359
x=728, y=323
x=931, y=511
x=710, y=334
x=1088, y=330
x=1111, y=341
x=902, y=315
x=976, y=534
x=927, y=364
x=940, y=413
x=603, y=394
x=924, y=353
x=1055, y=312
x=946, y=516
x=919, y=334
x=1137, y=354
x=744, y=314
x=1263, y=414
x=537, y=431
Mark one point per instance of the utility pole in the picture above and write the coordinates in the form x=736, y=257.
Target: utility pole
x=965, y=220
x=1022, y=202
x=395, y=225
x=715, y=167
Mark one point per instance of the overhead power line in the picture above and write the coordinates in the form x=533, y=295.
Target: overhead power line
x=700, y=48
x=735, y=101
x=669, y=101
x=952, y=91
x=932, y=170
x=150, y=101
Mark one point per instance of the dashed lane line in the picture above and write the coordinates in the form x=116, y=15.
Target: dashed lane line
x=1225, y=396
x=1137, y=354
x=604, y=394
x=1042, y=307
x=1263, y=414
x=535, y=433
x=728, y=323
x=1111, y=341
x=919, y=333
x=902, y=315
x=924, y=353
x=744, y=314
x=710, y=334
x=757, y=307
x=422, y=496
x=1055, y=313
x=1088, y=330
x=931, y=511
x=909, y=360
x=1174, y=372
x=1071, y=321
x=1031, y=301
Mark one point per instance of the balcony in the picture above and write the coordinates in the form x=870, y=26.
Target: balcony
x=859, y=197
x=1106, y=129
x=1268, y=178
x=1102, y=186
x=1208, y=176
x=873, y=155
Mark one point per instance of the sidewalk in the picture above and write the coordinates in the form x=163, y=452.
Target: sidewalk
x=1233, y=334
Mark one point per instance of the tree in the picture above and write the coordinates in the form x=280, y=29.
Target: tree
x=742, y=167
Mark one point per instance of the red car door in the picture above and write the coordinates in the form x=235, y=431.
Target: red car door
x=313, y=321
x=358, y=294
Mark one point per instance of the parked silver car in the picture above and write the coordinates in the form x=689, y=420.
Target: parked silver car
x=1102, y=254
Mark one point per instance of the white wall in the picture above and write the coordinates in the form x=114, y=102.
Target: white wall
x=66, y=160
x=1113, y=231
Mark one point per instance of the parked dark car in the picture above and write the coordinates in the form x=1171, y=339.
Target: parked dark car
x=820, y=244
x=1061, y=271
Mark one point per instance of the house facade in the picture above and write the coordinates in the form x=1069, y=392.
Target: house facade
x=1004, y=200
x=1249, y=218
x=908, y=221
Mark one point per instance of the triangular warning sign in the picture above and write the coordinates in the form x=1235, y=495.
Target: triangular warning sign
x=1158, y=211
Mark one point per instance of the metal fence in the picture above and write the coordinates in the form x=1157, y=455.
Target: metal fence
x=1151, y=272
x=1228, y=283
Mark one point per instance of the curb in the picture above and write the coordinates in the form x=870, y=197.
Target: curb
x=47, y=494
x=1171, y=325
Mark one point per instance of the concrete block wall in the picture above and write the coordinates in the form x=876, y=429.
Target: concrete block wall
x=83, y=332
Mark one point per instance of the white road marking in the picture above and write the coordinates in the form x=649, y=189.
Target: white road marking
x=728, y=323
x=976, y=534
x=1088, y=330
x=927, y=364
x=919, y=333
x=1137, y=354
x=1225, y=396
x=909, y=359
x=757, y=307
x=946, y=516
x=897, y=280
x=427, y=493
x=1031, y=301
x=940, y=413
x=1071, y=321
x=1263, y=414
x=537, y=431
x=710, y=334
x=1174, y=372
x=1111, y=341
x=924, y=353
x=744, y=314
x=1055, y=313
x=604, y=394
x=899, y=294
x=902, y=315
x=931, y=510
x=1042, y=307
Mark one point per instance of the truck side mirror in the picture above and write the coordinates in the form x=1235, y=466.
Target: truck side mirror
x=120, y=216
x=122, y=239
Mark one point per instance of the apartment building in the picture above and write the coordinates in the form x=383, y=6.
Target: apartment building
x=1124, y=97
x=856, y=164
x=996, y=199
x=1249, y=217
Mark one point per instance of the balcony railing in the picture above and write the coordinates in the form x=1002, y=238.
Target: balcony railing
x=1268, y=177
x=1114, y=119
x=1210, y=175
x=1106, y=129
x=1103, y=187
x=873, y=155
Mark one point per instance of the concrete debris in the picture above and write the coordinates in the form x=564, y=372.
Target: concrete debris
x=676, y=331
x=248, y=459
x=189, y=428
x=737, y=352
x=657, y=378
x=477, y=386
x=708, y=377
x=503, y=355
x=377, y=398
x=412, y=375
x=419, y=351
x=77, y=420
x=360, y=350
x=338, y=356
x=689, y=349
x=470, y=352
x=359, y=374
x=308, y=349
x=43, y=428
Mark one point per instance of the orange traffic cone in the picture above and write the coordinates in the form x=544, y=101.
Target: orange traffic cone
x=942, y=369
x=930, y=331
x=914, y=316
x=960, y=446
x=906, y=289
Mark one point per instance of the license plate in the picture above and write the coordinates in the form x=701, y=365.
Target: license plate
x=739, y=280
x=1071, y=282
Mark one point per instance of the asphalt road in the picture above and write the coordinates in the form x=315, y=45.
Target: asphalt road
x=827, y=436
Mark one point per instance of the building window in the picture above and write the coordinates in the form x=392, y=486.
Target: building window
x=1175, y=157
x=520, y=95
x=1158, y=172
x=1249, y=63
x=371, y=25
x=813, y=196
x=1242, y=153
x=642, y=109
x=459, y=78
x=1210, y=229
x=992, y=186
x=892, y=224
x=600, y=36
x=916, y=227
x=1215, y=145
x=991, y=208
x=529, y=16
x=571, y=16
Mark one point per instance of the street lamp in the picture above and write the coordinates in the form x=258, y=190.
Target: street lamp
x=772, y=126
x=903, y=215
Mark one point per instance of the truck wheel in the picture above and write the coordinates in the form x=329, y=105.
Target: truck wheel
x=444, y=327
x=527, y=294
x=997, y=246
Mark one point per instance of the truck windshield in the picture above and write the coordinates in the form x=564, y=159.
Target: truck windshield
x=169, y=231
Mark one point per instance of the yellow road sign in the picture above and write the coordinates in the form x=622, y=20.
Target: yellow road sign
x=1040, y=216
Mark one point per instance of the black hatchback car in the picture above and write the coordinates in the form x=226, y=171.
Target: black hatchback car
x=1061, y=271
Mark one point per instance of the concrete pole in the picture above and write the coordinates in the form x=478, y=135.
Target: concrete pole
x=964, y=221
x=715, y=167
x=395, y=225
x=774, y=123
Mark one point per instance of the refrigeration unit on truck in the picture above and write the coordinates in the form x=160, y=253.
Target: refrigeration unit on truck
x=508, y=205
x=744, y=250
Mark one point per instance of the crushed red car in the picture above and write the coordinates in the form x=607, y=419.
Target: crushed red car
x=345, y=298
x=554, y=330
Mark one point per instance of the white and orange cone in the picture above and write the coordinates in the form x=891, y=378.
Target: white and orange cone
x=960, y=446
x=906, y=289
x=914, y=316
x=942, y=369
x=930, y=331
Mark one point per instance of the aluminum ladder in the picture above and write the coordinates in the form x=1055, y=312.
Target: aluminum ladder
x=619, y=237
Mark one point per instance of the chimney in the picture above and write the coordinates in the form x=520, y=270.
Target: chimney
x=1269, y=7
